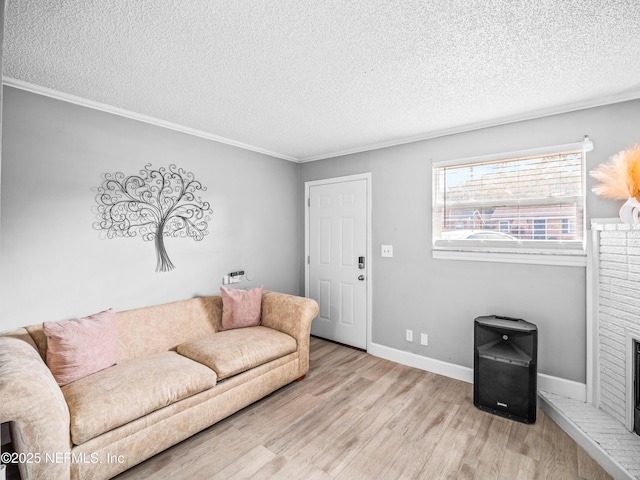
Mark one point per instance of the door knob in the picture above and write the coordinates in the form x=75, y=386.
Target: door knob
x=361, y=277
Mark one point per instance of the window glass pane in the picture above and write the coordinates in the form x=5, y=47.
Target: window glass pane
x=539, y=229
x=535, y=198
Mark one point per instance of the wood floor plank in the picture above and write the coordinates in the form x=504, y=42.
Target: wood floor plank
x=356, y=416
x=526, y=439
x=588, y=468
x=316, y=429
x=283, y=466
x=220, y=445
x=516, y=466
x=377, y=367
x=559, y=454
x=421, y=419
x=384, y=446
x=266, y=418
x=348, y=445
x=391, y=388
x=245, y=468
x=494, y=445
x=447, y=456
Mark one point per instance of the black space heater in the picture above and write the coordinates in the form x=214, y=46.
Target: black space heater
x=505, y=367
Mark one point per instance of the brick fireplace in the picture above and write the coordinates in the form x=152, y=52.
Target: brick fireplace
x=616, y=268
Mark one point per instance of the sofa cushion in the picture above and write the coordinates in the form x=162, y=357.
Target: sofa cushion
x=234, y=351
x=82, y=346
x=122, y=393
x=241, y=308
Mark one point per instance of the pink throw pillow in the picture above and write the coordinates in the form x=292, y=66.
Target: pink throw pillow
x=241, y=308
x=82, y=346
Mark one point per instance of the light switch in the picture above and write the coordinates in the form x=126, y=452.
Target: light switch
x=387, y=251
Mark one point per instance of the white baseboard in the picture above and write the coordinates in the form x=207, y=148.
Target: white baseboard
x=562, y=386
x=557, y=385
x=450, y=370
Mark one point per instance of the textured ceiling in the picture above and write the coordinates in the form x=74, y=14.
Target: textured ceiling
x=308, y=79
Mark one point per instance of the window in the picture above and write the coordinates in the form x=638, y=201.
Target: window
x=524, y=203
x=504, y=226
x=568, y=225
x=539, y=228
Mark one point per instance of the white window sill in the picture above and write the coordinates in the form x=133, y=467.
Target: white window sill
x=567, y=260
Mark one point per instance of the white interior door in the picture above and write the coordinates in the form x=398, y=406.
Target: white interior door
x=338, y=262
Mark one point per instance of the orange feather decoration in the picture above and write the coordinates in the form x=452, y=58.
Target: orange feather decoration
x=620, y=178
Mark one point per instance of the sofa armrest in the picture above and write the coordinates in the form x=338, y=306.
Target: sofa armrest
x=292, y=315
x=32, y=401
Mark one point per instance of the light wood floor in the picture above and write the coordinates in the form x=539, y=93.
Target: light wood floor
x=360, y=417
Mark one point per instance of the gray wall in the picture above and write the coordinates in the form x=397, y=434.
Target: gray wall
x=442, y=297
x=56, y=266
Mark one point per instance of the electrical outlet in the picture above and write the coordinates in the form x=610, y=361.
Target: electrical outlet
x=424, y=339
x=409, y=335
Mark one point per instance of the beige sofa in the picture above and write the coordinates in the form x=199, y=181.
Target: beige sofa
x=103, y=424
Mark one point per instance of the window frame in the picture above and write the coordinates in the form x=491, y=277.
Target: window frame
x=571, y=253
x=544, y=232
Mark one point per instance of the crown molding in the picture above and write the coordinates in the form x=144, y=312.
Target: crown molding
x=83, y=102
x=567, y=108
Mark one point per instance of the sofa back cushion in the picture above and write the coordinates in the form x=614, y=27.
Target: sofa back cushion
x=149, y=330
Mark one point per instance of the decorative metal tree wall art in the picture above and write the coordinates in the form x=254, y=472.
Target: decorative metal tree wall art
x=153, y=204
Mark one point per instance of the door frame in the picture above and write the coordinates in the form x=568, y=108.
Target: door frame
x=369, y=249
